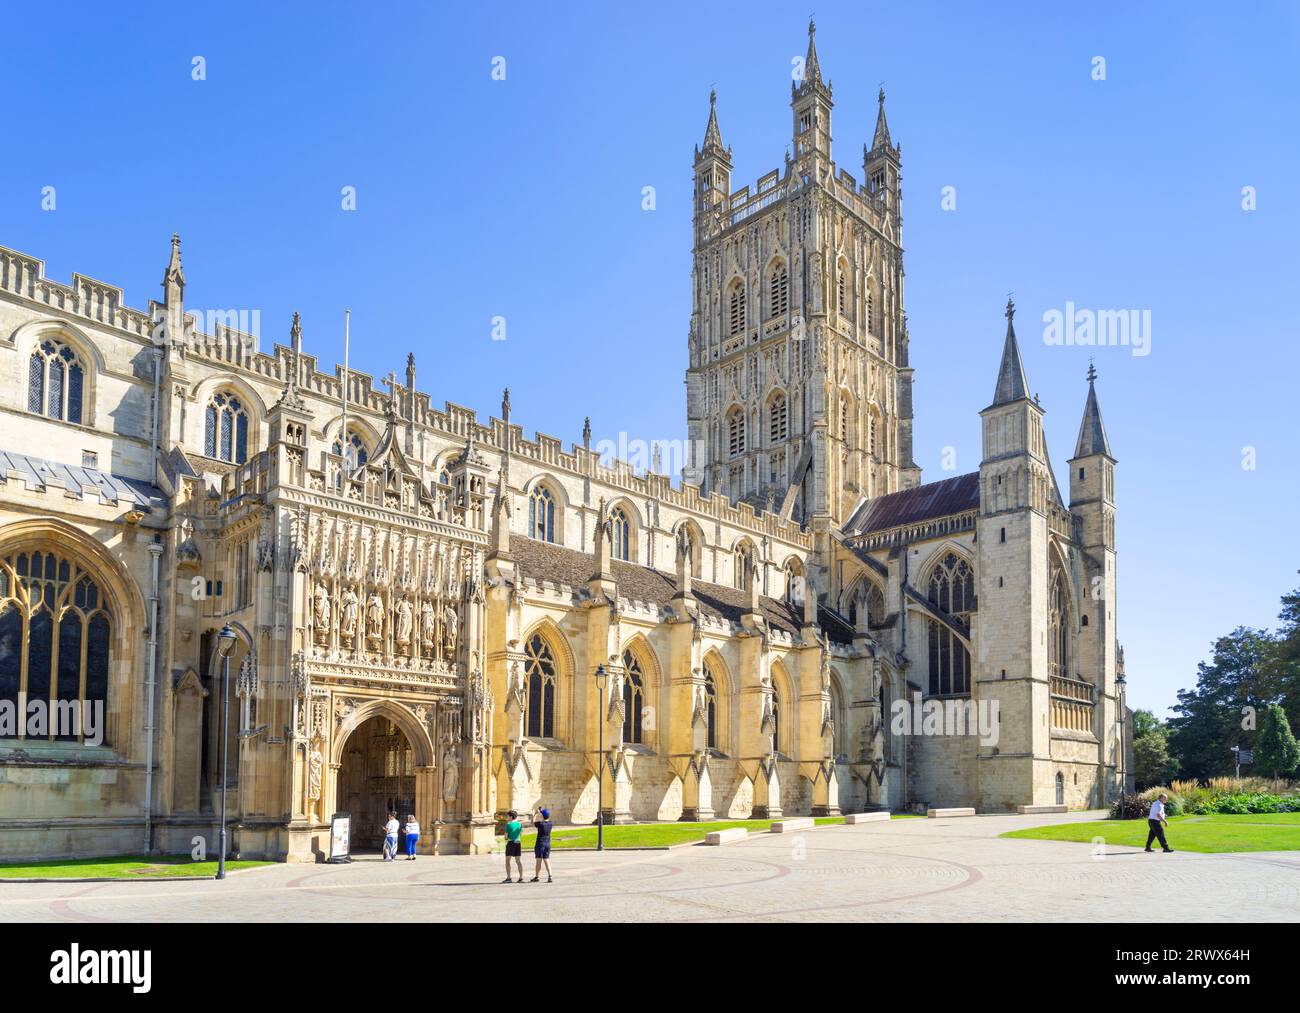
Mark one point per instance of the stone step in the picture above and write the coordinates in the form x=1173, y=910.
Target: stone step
x=1041, y=809
x=873, y=817
x=943, y=813
x=728, y=836
x=790, y=825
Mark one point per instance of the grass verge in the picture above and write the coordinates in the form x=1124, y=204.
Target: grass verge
x=1209, y=834
x=120, y=867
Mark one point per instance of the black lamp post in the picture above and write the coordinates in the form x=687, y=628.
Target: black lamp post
x=225, y=647
x=601, y=676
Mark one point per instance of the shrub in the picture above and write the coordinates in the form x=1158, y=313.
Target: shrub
x=1130, y=807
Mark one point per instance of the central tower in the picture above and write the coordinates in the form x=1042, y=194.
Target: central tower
x=799, y=395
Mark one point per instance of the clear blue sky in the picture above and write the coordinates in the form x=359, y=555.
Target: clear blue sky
x=522, y=198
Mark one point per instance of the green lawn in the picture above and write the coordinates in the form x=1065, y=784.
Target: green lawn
x=1265, y=832
x=122, y=867
x=655, y=835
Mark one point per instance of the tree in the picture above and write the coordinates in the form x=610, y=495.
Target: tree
x=1239, y=681
x=1277, y=753
x=1152, y=764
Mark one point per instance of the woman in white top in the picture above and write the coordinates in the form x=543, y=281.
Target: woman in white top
x=390, y=838
x=412, y=837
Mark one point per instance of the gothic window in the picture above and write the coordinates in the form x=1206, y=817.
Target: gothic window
x=1058, y=627
x=845, y=419
x=837, y=715
x=622, y=534
x=793, y=581
x=55, y=382
x=952, y=589
x=875, y=606
x=225, y=432
x=539, y=667
x=541, y=514
x=777, y=414
x=871, y=315
x=711, y=709
x=843, y=293
x=743, y=565
x=776, y=719
x=736, y=431
x=737, y=319
x=356, y=454
x=55, y=643
x=779, y=290
x=873, y=432
x=633, y=698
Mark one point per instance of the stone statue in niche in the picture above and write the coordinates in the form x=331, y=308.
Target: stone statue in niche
x=428, y=625
x=450, y=632
x=375, y=617
x=321, y=611
x=404, y=618
x=348, y=610
x=450, y=773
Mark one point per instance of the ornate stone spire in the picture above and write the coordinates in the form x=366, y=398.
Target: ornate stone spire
x=812, y=69
x=712, y=133
x=290, y=397
x=881, y=137
x=1092, y=431
x=1012, y=384
x=174, y=274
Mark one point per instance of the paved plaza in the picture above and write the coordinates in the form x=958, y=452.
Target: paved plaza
x=903, y=870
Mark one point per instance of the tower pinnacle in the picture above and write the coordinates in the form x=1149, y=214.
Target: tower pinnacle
x=1012, y=384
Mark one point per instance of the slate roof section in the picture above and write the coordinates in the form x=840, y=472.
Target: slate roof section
x=38, y=474
x=558, y=565
x=912, y=506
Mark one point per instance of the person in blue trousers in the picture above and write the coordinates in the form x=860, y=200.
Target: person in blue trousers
x=412, y=836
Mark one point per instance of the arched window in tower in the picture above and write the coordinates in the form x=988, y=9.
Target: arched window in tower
x=225, y=429
x=633, y=699
x=794, y=581
x=622, y=534
x=1058, y=627
x=779, y=290
x=871, y=314
x=875, y=606
x=55, y=382
x=711, y=710
x=777, y=418
x=355, y=453
x=55, y=637
x=776, y=720
x=846, y=420
x=737, y=307
x=873, y=432
x=541, y=514
x=736, y=431
x=843, y=300
x=539, y=669
x=951, y=589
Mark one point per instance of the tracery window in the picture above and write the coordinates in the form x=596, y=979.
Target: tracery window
x=1058, y=627
x=843, y=293
x=225, y=432
x=737, y=319
x=539, y=669
x=356, y=453
x=743, y=560
x=952, y=589
x=633, y=698
x=711, y=710
x=55, y=382
x=779, y=290
x=541, y=514
x=845, y=419
x=777, y=411
x=55, y=627
x=871, y=315
x=736, y=431
x=622, y=534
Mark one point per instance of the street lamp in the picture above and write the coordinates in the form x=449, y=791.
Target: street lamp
x=601, y=676
x=225, y=647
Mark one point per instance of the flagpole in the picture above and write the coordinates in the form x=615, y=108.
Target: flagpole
x=343, y=434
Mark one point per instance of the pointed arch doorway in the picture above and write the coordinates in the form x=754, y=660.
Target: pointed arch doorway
x=377, y=774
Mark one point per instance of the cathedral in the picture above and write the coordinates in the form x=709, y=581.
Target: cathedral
x=433, y=613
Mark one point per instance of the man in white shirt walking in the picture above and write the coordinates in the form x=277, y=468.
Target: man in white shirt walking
x=1157, y=822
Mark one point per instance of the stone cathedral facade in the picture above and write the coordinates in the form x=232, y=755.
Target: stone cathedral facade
x=422, y=599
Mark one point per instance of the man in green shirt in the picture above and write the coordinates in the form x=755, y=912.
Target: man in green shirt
x=514, y=849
